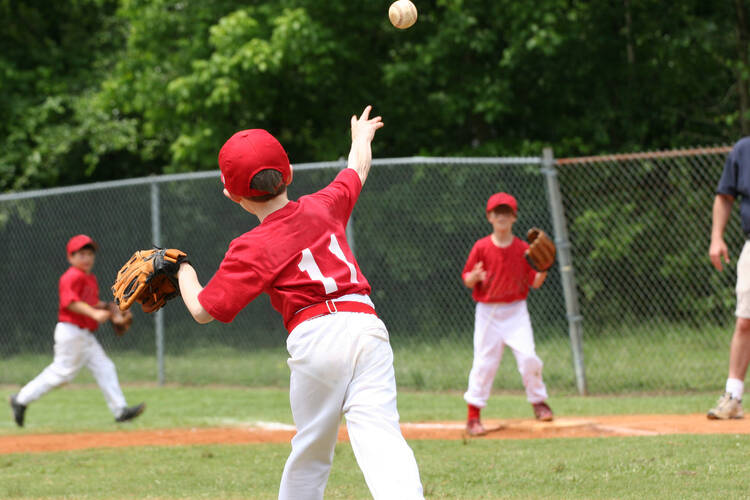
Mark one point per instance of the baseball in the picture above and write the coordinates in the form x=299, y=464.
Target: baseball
x=402, y=14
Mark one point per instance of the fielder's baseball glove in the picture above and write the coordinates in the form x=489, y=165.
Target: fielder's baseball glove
x=150, y=278
x=121, y=320
x=541, y=252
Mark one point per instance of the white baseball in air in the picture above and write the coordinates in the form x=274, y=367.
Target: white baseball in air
x=403, y=14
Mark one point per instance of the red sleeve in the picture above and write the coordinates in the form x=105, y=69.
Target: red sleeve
x=474, y=257
x=341, y=194
x=235, y=285
x=69, y=292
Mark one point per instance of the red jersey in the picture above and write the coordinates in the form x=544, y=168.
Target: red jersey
x=77, y=286
x=509, y=275
x=298, y=255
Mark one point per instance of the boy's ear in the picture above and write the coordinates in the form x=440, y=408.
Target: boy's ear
x=234, y=198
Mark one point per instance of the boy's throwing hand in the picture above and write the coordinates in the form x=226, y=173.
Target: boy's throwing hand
x=363, y=132
x=364, y=127
x=476, y=275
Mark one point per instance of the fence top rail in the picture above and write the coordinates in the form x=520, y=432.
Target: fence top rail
x=649, y=155
x=155, y=179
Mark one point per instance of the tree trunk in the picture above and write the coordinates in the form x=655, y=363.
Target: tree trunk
x=743, y=64
x=629, y=33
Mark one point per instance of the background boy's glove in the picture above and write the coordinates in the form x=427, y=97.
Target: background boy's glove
x=541, y=252
x=121, y=320
x=150, y=278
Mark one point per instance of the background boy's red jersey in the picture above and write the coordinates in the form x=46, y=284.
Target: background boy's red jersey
x=509, y=275
x=77, y=286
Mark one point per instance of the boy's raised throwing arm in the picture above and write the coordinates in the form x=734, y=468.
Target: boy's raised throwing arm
x=363, y=131
x=190, y=287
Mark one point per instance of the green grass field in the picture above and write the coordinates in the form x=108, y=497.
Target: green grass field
x=682, y=369
x=634, y=359
x=680, y=466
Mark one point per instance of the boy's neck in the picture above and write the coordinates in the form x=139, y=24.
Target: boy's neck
x=502, y=239
x=263, y=210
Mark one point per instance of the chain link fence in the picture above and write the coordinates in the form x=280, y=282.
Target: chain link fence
x=654, y=314
x=657, y=315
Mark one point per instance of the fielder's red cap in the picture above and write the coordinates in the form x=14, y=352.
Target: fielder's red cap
x=245, y=154
x=79, y=241
x=498, y=199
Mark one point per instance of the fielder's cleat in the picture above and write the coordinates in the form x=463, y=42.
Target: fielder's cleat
x=475, y=428
x=727, y=407
x=130, y=412
x=19, y=410
x=542, y=412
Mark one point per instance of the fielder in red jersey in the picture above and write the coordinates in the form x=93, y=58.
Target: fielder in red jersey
x=79, y=314
x=500, y=279
x=340, y=357
x=505, y=280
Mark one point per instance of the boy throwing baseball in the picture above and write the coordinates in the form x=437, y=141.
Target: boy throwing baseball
x=339, y=354
x=499, y=276
x=79, y=315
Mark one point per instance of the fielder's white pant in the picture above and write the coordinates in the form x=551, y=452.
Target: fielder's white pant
x=495, y=326
x=75, y=348
x=342, y=364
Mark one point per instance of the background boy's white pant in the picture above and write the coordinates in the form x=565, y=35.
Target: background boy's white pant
x=342, y=364
x=495, y=326
x=75, y=348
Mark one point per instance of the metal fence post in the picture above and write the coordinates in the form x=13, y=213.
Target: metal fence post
x=575, y=326
x=159, y=315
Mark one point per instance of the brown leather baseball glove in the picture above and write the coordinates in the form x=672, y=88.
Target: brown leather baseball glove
x=541, y=252
x=149, y=277
x=121, y=320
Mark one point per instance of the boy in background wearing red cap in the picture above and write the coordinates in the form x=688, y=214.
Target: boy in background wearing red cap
x=340, y=357
x=500, y=278
x=79, y=315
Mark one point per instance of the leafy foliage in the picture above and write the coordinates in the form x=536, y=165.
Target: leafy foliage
x=104, y=89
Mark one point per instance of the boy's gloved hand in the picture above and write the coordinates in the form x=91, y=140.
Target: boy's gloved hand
x=541, y=252
x=150, y=278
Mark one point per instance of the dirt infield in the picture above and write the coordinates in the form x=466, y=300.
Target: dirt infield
x=265, y=432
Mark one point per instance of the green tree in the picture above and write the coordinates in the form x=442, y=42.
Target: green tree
x=98, y=89
x=51, y=129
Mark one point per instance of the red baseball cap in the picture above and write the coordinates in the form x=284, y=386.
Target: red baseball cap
x=245, y=154
x=498, y=199
x=79, y=241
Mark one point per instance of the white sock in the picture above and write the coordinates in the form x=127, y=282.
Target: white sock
x=735, y=387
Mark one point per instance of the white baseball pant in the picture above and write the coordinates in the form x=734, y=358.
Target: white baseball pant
x=743, y=282
x=495, y=326
x=75, y=348
x=342, y=364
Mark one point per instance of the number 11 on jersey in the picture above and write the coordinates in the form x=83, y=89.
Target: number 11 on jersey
x=308, y=265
